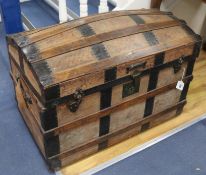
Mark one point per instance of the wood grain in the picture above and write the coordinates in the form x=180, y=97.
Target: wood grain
x=118, y=49
x=87, y=107
x=28, y=118
x=82, y=54
x=64, y=43
x=38, y=35
x=194, y=108
x=120, y=106
x=121, y=131
x=63, y=55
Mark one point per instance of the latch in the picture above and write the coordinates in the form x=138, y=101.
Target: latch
x=136, y=79
x=133, y=87
x=136, y=66
x=177, y=64
x=76, y=100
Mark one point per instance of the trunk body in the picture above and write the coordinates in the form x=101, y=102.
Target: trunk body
x=88, y=84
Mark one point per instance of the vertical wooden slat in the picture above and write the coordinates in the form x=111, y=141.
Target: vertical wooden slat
x=106, y=96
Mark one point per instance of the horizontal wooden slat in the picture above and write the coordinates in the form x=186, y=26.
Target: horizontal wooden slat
x=62, y=71
x=107, y=111
x=77, y=57
x=97, y=27
x=41, y=34
x=26, y=79
x=99, y=38
x=121, y=131
x=69, y=87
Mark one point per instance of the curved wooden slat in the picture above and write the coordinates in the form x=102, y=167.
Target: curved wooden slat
x=99, y=38
x=41, y=34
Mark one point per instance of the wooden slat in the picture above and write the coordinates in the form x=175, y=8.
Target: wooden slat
x=28, y=117
x=118, y=136
x=34, y=91
x=52, y=31
x=195, y=107
x=87, y=82
x=62, y=73
x=119, y=132
x=76, y=58
x=98, y=27
x=107, y=111
x=99, y=38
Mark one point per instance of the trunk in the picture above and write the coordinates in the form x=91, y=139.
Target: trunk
x=88, y=84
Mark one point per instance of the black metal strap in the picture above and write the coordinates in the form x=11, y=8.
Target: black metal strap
x=32, y=52
x=105, y=102
x=154, y=73
x=137, y=19
x=113, y=83
x=151, y=38
x=49, y=119
x=190, y=66
x=86, y=30
x=100, y=51
x=52, y=146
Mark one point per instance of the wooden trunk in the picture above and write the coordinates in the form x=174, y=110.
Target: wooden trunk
x=85, y=85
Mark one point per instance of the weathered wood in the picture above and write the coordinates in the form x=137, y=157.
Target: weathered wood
x=196, y=97
x=119, y=132
x=41, y=34
x=113, y=109
x=91, y=64
x=111, y=135
x=88, y=84
x=26, y=114
x=166, y=76
x=57, y=72
x=95, y=79
x=75, y=41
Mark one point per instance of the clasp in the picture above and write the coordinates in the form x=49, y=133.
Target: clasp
x=76, y=100
x=177, y=64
